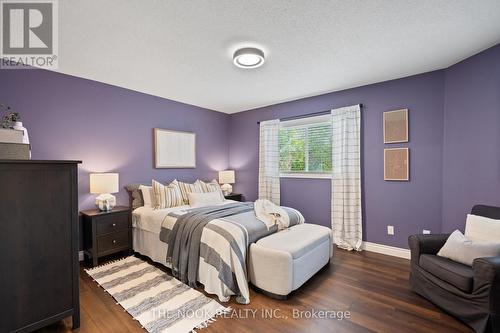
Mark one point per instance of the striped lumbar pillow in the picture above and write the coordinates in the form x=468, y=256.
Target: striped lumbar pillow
x=213, y=186
x=167, y=196
x=189, y=188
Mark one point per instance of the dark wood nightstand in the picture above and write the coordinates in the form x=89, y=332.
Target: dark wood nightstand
x=234, y=196
x=106, y=233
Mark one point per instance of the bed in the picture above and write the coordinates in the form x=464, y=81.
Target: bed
x=223, y=271
x=146, y=223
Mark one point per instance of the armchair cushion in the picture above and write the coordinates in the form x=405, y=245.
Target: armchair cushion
x=463, y=250
x=425, y=244
x=454, y=273
x=482, y=229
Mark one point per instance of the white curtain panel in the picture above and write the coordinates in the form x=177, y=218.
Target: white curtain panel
x=269, y=161
x=346, y=178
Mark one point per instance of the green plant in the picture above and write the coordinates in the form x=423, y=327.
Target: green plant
x=306, y=149
x=9, y=117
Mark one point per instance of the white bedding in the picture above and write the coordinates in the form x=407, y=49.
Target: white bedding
x=146, y=223
x=150, y=219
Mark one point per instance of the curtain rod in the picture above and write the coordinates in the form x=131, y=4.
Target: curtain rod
x=307, y=115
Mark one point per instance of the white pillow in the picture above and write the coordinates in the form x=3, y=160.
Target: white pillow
x=167, y=196
x=147, y=195
x=186, y=188
x=463, y=250
x=204, y=199
x=213, y=186
x=479, y=228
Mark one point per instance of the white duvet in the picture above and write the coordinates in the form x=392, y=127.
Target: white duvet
x=147, y=226
x=149, y=219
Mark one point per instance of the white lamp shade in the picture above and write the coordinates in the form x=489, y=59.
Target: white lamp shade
x=101, y=183
x=226, y=177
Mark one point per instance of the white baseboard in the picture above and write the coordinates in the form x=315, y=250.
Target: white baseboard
x=386, y=249
x=81, y=257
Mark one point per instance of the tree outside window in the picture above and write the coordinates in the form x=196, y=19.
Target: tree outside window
x=306, y=148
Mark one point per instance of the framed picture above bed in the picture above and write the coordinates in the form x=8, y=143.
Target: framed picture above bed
x=174, y=149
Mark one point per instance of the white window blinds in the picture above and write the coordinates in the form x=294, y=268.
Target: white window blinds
x=305, y=146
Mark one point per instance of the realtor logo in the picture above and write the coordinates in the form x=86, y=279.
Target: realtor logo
x=29, y=34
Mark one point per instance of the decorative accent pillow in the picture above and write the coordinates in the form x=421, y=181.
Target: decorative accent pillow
x=213, y=186
x=204, y=199
x=463, y=250
x=167, y=196
x=135, y=195
x=480, y=228
x=147, y=195
x=188, y=188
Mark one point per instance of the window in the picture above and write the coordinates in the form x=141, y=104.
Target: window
x=306, y=147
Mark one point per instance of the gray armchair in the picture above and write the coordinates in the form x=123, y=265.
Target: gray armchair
x=472, y=294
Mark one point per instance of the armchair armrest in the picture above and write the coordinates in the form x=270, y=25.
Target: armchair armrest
x=487, y=276
x=425, y=244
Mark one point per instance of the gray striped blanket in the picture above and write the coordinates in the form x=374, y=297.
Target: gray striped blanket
x=220, y=236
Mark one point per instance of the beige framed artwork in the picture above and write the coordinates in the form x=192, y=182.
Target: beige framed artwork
x=397, y=164
x=174, y=149
x=396, y=126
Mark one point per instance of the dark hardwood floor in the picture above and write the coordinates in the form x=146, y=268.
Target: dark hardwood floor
x=372, y=287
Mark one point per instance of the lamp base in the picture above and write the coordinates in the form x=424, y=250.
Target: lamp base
x=227, y=189
x=105, y=202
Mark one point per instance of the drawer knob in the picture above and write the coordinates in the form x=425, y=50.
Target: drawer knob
x=114, y=241
x=114, y=224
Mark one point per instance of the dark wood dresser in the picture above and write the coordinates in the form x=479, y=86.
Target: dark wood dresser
x=106, y=233
x=39, y=244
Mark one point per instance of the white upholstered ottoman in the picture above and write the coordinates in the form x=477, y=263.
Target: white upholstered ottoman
x=282, y=262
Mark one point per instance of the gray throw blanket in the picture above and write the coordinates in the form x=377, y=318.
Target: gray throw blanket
x=185, y=238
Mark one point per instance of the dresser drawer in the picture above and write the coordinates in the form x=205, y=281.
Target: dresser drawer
x=111, y=223
x=113, y=241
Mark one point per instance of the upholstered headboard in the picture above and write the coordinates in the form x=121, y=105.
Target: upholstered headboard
x=135, y=195
x=491, y=212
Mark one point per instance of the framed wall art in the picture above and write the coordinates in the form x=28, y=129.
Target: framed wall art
x=174, y=149
x=396, y=126
x=397, y=164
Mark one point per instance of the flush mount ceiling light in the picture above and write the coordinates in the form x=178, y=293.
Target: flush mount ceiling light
x=248, y=57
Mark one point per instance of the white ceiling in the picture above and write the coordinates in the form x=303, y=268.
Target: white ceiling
x=182, y=50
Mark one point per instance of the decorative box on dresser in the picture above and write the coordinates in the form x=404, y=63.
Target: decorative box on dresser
x=106, y=233
x=39, y=242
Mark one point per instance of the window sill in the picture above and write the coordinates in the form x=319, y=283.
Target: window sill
x=306, y=175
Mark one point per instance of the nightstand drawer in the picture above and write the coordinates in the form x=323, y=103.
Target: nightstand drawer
x=111, y=223
x=113, y=241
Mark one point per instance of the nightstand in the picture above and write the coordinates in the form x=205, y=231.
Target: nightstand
x=234, y=196
x=106, y=233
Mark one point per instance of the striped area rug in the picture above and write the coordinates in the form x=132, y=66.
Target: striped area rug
x=157, y=300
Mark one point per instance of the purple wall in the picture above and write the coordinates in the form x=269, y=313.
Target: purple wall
x=454, y=113
x=408, y=206
x=109, y=128
x=471, y=169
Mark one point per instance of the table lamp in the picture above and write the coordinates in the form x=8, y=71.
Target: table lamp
x=104, y=184
x=226, y=178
